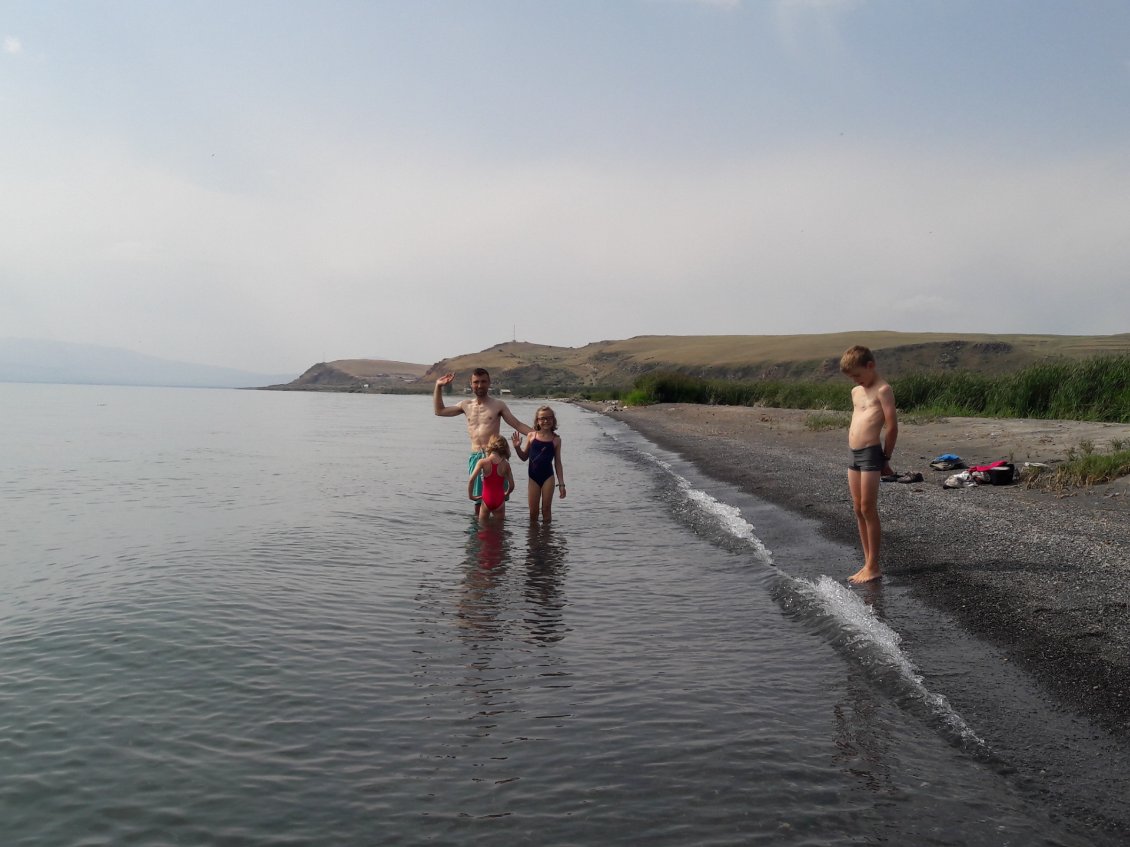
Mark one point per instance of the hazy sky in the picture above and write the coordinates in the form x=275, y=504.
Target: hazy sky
x=268, y=184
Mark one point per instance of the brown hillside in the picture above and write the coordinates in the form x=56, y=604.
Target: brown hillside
x=357, y=375
x=525, y=367
x=379, y=368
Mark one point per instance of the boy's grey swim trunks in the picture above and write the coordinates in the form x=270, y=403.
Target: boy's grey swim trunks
x=869, y=458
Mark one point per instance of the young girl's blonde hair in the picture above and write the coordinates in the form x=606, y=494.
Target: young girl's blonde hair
x=497, y=444
x=537, y=425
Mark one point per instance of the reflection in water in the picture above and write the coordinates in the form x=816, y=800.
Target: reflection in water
x=490, y=544
x=871, y=593
x=514, y=682
x=483, y=621
x=484, y=578
x=861, y=737
x=545, y=574
x=491, y=598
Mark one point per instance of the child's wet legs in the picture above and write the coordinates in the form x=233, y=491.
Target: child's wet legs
x=533, y=493
x=547, y=499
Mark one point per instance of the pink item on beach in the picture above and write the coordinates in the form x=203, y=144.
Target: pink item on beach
x=989, y=466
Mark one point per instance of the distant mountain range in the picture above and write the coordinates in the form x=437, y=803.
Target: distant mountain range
x=36, y=360
x=527, y=368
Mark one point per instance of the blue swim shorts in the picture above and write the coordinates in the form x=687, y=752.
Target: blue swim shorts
x=477, y=490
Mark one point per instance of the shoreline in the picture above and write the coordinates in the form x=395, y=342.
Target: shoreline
x=1039, y=579
x=1043, y=575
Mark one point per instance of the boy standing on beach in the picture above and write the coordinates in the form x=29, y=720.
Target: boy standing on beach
x=873, y=410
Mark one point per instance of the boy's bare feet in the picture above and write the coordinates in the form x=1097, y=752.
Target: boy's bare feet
x=865, y=574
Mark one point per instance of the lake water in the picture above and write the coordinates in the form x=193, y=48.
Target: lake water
x=257, y=618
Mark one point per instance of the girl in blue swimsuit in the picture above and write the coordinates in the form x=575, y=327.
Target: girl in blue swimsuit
x=543, y=449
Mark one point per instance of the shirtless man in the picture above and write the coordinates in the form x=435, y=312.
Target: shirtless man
x=873, y=410
x=485, y=415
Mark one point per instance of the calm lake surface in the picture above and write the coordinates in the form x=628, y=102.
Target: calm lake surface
x=258, y=618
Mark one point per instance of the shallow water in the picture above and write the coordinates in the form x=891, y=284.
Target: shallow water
x=267, y=618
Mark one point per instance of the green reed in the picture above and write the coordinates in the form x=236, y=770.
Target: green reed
x=1082, y=468
x=671, y=387
x=1096, y=389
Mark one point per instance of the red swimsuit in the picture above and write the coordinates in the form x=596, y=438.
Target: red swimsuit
x=494, y=494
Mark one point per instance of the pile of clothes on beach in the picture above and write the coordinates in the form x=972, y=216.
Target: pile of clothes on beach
x=1000, y=472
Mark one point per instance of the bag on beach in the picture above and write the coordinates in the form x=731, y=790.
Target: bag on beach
x=1002, y=474
x=947, y=462
x=960, y=480
x=999, y=472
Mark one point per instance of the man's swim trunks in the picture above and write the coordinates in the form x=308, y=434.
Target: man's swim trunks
x=477, y=488
x=868, y=459
x=542, y=454
x=494, y=491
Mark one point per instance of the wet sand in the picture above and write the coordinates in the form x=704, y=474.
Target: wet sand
x=1043, y=575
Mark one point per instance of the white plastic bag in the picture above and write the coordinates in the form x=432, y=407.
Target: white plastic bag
x=960, y=480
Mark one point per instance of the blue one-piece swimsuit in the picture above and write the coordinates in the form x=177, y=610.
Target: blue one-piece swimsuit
x=542, y=454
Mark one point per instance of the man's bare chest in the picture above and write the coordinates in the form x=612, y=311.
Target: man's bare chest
x=480, y=416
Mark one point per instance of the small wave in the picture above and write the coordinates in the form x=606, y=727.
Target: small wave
x=726, y=518
x=730, y=519
x=839, y=615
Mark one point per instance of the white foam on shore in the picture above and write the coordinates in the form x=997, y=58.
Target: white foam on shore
x=841, y=617
x=728, y=518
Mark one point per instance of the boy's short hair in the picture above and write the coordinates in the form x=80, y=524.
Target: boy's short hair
x=856, y=357
x=480, y=372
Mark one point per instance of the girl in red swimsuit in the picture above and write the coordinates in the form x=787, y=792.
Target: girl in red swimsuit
x=498, y=479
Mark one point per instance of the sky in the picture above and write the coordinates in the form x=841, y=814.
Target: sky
x=266, y=184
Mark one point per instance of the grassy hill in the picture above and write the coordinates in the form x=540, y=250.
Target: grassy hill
x=528, y=368
x=525, y=367
x=358, y=375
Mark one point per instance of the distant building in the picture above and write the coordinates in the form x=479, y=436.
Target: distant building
x=498, y=392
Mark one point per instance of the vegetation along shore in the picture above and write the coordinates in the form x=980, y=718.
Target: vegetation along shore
x=992, y=555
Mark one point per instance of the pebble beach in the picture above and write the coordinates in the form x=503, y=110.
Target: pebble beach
x=1042, y=576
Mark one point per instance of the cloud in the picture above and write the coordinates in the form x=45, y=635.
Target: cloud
x=802, y=21
x=12, y=45
x=416, y=255
x=789, y=243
